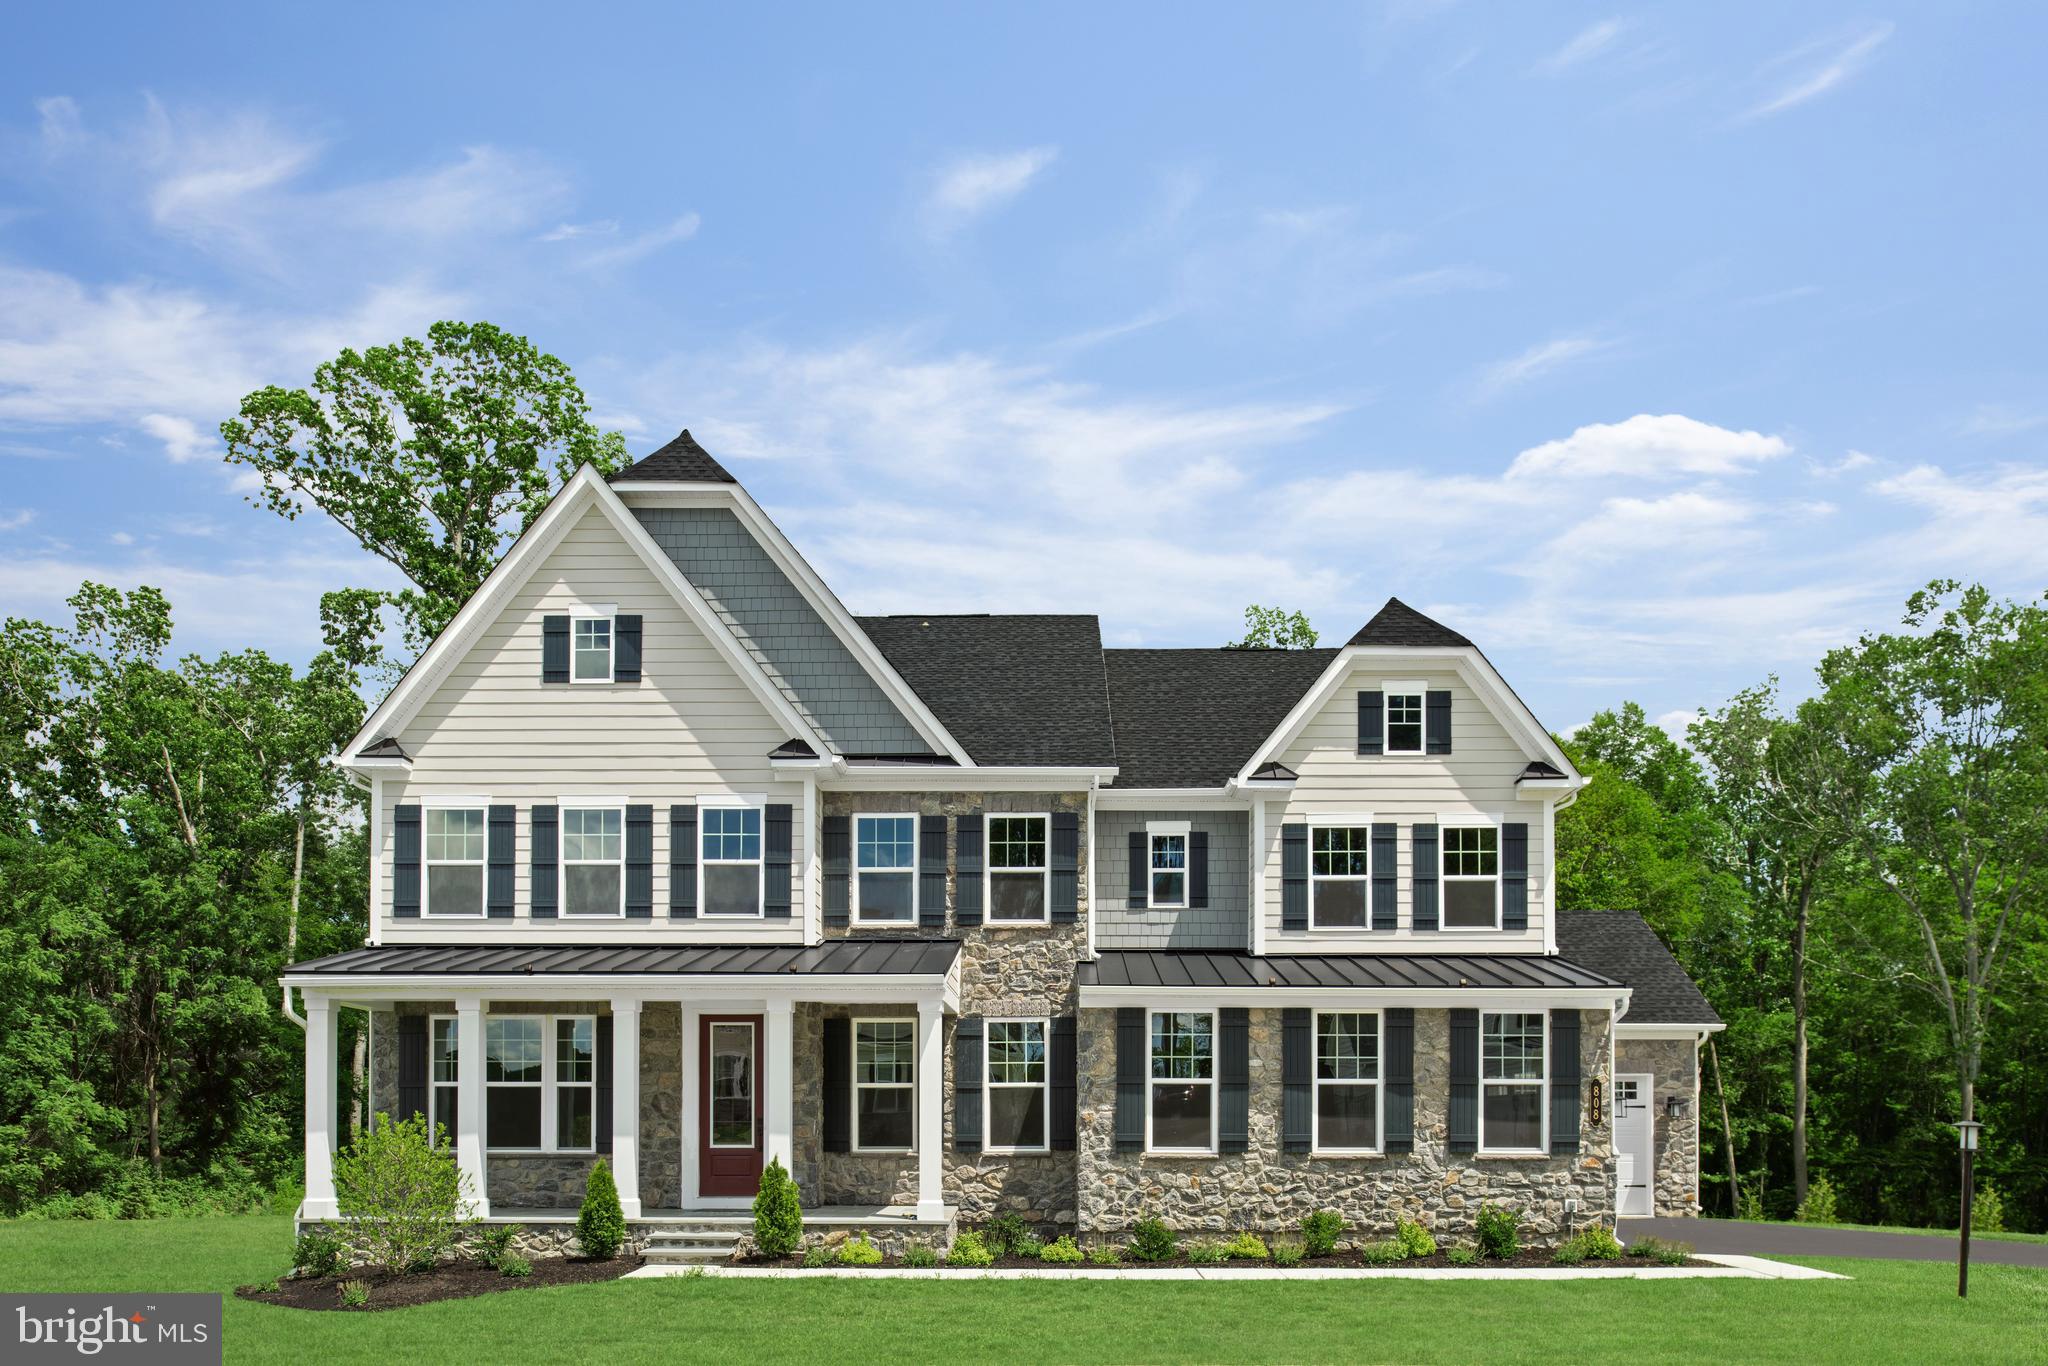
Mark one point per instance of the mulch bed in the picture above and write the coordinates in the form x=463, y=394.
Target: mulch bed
x=1528, y=1257
x=449, y=1281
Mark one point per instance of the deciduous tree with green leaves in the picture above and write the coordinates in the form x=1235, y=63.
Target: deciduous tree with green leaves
x=1274, y=628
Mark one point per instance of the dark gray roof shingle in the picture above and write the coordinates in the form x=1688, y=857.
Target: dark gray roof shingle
x=1623, y=946
x=681, y=461
x=1011, y=689
x=1477, y=971
x=1399, y=624
x=859, y=957
x=1191, y=718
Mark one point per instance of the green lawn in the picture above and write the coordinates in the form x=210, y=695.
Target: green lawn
x=1890, y=1312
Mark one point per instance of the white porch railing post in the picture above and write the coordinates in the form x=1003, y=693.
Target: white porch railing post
x=320, y=1127
x=469, y=1103
x=931, y=1093
x=779, y=1102
x=625, y=1115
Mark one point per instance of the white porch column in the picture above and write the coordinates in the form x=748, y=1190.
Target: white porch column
x=320, y=1108
x=625, y=1116
x=469, y=1102
x=931, y=1095
x=779, y=1102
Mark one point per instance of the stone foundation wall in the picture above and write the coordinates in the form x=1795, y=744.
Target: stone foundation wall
x=546, y=1238
x=1267, y=1190
x=1675, y=1143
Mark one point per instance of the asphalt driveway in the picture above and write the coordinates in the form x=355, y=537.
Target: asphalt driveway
x=1802, y=1240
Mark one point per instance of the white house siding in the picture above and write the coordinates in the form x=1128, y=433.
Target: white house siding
x=690, y=726
x=1477, y=776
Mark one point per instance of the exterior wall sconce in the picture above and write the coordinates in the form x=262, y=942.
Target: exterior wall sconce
x=1674, y=1107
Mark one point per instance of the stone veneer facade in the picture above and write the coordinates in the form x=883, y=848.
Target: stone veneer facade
x=1675, y=1143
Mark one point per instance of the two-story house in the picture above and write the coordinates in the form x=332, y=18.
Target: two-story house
x=676, y=861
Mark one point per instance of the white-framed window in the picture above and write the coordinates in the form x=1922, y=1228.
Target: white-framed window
x=1471, y=877
x=590, y=649
x=1340, y=875
x=885, y=869
x=540, y=1082
x=452, y=849
x=1018, y=892
x=1347, y=1081
x=1512, y=1076
x=884, y=1091
x=593, y=860
x=575, y=1083
x=1180, y=1113
x=1016, y=1086
x=1167, y=846
x=1404, y=702
x=443, y=1070
x=730, y=871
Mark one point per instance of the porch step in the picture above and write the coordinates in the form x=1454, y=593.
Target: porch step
x=687, y=1244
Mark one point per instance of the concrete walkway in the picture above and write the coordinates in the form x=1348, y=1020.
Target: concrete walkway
x=1804, y=1240
x=1731, y=1267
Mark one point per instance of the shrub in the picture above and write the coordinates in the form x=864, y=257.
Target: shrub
x=1104, y=1256
x=1320, y=1232
x=1750, y=1205
x=1152, y=1241
x=778, y=1213
x=858, y=1251
x=1204, y=1253
x=1596, y=1243
x=1674, y=1254
x=401, y=1194
x=1060, y=1250
x=1569, y=1253
x=1463, y=1256
x=917, y=1254
x=1819, y=1205
x=817, y=1255
x=1247, y=1245
x=1287, y=1254
x=969, y=1250
x=1383, y=1254
x=1987, y=1210
x=515, y=1266
x=1027, y=1246
x=1645, y=1247
x=1005, y=1233
x=318, y=1253
x=492, y=1244
x=1499, y=1231
x=1415, y=1240
x=601, y=1224
x=354, y=1294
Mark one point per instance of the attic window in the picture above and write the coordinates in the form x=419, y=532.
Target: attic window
x=1404, y=717
x=591, y=649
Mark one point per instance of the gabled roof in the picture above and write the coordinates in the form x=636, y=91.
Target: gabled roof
x=1192, y=718
x=1621, y=945
x=1399, y=624
x=1538, y=769
x=1013, y=690
x=792, y=749
x=681, y=461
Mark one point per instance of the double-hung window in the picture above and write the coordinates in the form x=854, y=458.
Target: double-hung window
x=730, y=863
x=1017, y=893
x=1181, y=1116
x=1168, y=846
x=885, y=869
x=1016, y=1084
x=590, y=649
x=453, y=846
x=1347, y=1081
x=443, y=1061
x=1511, y=1076
x=593, y=860
x=540, y=1081
x=884, y=1072
x=513, y=1081
x=575, y=1082
x=1340, y=873
x=1404, y=718
x=1471, y=877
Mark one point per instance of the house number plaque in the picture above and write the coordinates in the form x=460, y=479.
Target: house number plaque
x=1593, y=1101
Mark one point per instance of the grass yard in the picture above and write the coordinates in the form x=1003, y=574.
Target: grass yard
x=1893, y=1311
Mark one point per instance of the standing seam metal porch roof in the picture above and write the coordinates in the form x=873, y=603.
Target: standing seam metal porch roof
x=837, y=958
x=1410, y=971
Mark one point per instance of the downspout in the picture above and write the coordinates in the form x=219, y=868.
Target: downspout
x=1094, y=782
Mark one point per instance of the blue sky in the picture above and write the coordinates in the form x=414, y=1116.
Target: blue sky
x=1658, y=349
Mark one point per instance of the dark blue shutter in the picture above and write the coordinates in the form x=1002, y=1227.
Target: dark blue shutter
x=1372, y=731
x=1132, y=1055
x=1464, y=1111
x=554, y=649
x=498, y=893
x=1398, y=1048
x=836, y=844
x=1141, y=870
x=1198, y=869
x=777, y=871
x=1234, y=1074
x=1294, y=877
x=1065, y=867
x=625, y=649
x=931, y=872
x=639, y=863
x=405, y=862
x=839, y=1085
x=1514, y=876
x=967, y=1084
x=1425, y=883
x=1564, y=1081
x=682, y=861
x=1065, y=1073
x=967, y=870
x=412, y=1067
x=601, y=1103
x=1297, y=1084
x=543, y=828
x=1386, y=874
x=1436, y=715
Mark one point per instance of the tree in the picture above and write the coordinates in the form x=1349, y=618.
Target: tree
x=1273, y=628
x=431, y=454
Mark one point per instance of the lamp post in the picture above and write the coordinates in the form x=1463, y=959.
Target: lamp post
x=1966, y=1135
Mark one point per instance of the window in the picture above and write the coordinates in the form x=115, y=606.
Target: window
x=1404, y=718
x=1182, y=1113
x=538, y=1096
x=730, y=870
x=1340, y=866
x=1016, y=869
x=575, y=1081
x=1169, y=865
x=1347, y=1079
x=593, y=860
x=884, y=869
x=590, y=650
x=732, y=1084
x=1016, y=1082
x=1471, y=877
x=512, y=1081
x=443, y=1058
x=455, y=859
x=884, y=1053
x=1511, y=1083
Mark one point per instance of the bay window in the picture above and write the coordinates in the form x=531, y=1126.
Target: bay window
x=1347, y=1110
x=1015, y=1082
x=1181, y=1109
x=1511, y=1082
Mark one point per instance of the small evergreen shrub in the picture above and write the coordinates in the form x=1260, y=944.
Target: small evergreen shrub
x=1987, y=1210
x=1499, y=1231
x=1060, y=1251
x=1152, y=1241
x=1819, y=1205
x=1005, y=1233
x=1104, y=1256
x=969, y=1250
x=1415, y=1240
x=601, y=1224
x=778, y=1213
x=1248, y=1246
x=355, y=1294
x=492, y=1244
x=401, y=1195
x=1205, y=1253
x=918, y=1255
x=515, y=1266
x=817, y=1255
x=1596, y=1243
x=1320, y=1232
x=1287, y=1254
x=858, y=1251
x=1389, y=1253
x=1674, y=1254
x=318, y=1254
x=1462, y=1255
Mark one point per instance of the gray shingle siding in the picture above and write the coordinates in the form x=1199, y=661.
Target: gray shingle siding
x=793, y=643
x=1223, y=924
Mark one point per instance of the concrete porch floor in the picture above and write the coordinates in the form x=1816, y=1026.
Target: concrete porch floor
x=825, y=1216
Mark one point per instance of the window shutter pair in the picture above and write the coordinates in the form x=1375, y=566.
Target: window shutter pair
x=503, y=830
x=967, y=834
x=969, y=1069
x=412, y=1066
x=1063, y=863
x=601, y=1103
x=839, y=1085
x=1297, y=1079
x=1564, y=1081
x=777, y=824
x=1132, y=1060
x=967, y=1079
x=542, y=857
x=1197, y=869
x=639, y=863
x=836, y=845
x=1294, y=877
x=1464, y=1112
x=1386, y=872
x=682, y=861
x=405, y=862
x=554, y=649
x=931, y=872
x=1514, y=876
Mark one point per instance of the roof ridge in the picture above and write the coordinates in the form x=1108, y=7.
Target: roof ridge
x=682, y=460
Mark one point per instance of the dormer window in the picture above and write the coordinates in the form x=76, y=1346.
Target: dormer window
x=590, y=651
x=1404, y=717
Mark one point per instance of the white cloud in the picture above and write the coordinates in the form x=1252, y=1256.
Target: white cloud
x=569, y=232
x=1848, y=464
x=973, y=185
x=1674, y=723
x=1587, y=44
x=16, y=520
x=642, y=246
x=1651, y=447
x=180, y=436
x=122, y=538
x=1542, y=359
x=1819, y=67
x=2002, y=419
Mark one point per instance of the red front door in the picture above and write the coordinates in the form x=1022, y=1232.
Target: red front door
x=729, y=1128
